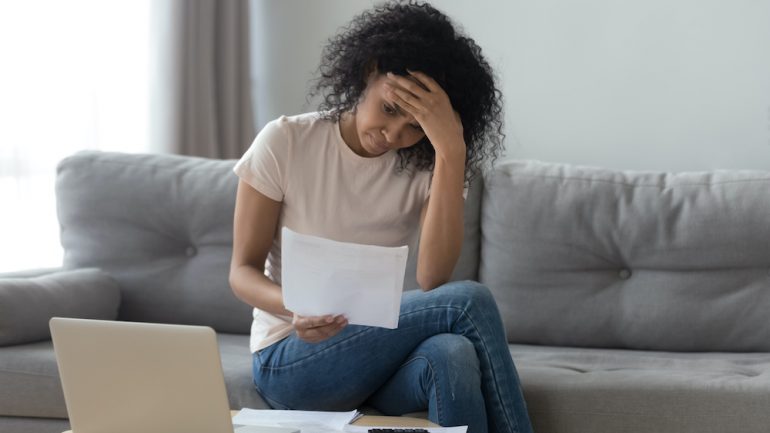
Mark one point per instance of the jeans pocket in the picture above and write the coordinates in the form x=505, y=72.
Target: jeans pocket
x=262, y=356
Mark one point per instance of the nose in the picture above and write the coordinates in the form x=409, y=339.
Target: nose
x=393, y=131
x=389, y=135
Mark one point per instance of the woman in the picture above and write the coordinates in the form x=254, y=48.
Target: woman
x=410, y=111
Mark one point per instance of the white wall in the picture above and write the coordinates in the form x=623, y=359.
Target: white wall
x=653, y=84
x=287, y=39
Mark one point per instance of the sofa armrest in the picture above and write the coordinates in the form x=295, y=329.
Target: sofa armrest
x=30, y=273
x=28, y=303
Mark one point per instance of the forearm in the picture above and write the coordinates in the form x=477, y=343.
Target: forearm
x=252, y=286
x=442, y=228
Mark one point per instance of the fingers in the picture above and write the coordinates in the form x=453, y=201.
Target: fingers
x=405, y=100
x=425, y=80
x=417, y=93
x=307, y=322
x=408, y=84
x=314, y=329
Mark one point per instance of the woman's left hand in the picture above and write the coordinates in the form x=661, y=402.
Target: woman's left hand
x=423, y=98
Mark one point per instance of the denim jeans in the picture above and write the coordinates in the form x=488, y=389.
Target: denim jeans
x=449, y=355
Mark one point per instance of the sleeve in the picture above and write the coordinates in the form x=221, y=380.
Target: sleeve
x=264, y=166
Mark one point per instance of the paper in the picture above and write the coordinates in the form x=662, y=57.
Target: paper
x=362, y=282
x=319, y=422
x=307, y=421
x=365, y=429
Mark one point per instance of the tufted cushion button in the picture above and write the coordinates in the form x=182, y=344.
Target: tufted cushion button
x=624, y=274
x=190, y=251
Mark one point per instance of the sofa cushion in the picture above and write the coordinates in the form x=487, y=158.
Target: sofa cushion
x=27, y=304
x=236, y=364
x=161, y=225
x=29, y=380
x=579, y=256
x=576, y=390
x=33, y=425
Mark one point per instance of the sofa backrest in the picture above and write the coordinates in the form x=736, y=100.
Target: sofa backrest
x=579, y=256
x=161, y=226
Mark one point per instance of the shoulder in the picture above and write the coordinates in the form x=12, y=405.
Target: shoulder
x=288, y=131
x=299, y=123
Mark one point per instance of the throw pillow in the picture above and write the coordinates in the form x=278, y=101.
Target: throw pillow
x=27, y=304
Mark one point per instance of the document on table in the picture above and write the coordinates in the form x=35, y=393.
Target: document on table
x=317, y=422
x=362, y=282
x=307, y=421
x=365, y=429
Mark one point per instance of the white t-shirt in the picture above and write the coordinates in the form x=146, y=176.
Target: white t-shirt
x=328, y=190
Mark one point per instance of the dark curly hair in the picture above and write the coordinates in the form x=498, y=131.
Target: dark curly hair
x=401, y=35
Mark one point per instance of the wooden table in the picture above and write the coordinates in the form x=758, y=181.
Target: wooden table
x=393, y=421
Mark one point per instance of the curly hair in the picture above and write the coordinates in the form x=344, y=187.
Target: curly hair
x=401, y=35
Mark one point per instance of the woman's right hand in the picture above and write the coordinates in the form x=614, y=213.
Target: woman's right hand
x=314, y=329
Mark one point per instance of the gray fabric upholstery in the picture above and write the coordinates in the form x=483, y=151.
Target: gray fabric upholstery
x=236, y=364
x=30, y=273
x=659, y=263
x=579, y=256
x=27, y=304
x=33, y=425
x=161, y=225
x=631, y=391
x=29, y=380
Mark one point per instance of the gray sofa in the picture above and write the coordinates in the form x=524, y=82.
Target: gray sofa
x=633, y=302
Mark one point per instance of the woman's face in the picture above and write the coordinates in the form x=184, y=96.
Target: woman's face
x=381, y=125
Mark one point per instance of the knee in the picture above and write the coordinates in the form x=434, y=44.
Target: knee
x=452, y=355
x=455, y=366
x=473, y=292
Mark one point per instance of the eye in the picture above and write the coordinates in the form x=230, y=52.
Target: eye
x=388, y=109
x=416, y=127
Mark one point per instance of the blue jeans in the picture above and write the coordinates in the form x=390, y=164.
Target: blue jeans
x=449, y=355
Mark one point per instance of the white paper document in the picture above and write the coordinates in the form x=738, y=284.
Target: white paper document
x=307, y=421
x=362, y=282
x=318, y=422
x=365, y=429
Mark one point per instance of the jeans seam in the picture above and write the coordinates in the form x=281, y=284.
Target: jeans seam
x=436, y=393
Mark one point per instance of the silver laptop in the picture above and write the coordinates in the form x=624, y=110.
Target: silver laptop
x=123, y=377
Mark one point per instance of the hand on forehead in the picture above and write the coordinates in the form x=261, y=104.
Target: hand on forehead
x=416, y=85
x=396, y=80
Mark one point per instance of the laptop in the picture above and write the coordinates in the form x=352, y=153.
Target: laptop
x=129, y=377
